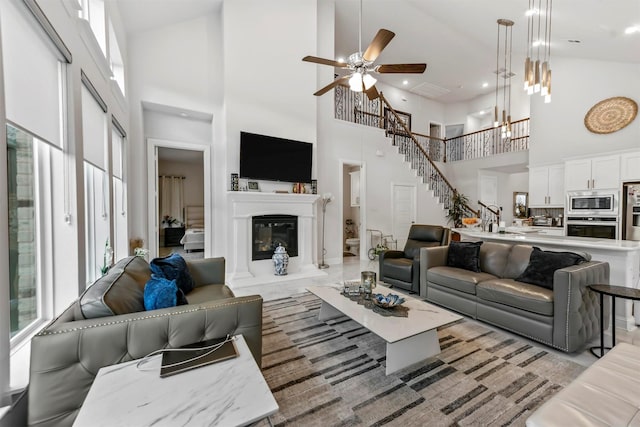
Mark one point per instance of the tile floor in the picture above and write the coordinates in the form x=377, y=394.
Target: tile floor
x=351, y=268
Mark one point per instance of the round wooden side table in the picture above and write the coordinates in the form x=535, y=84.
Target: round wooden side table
x=614, y=292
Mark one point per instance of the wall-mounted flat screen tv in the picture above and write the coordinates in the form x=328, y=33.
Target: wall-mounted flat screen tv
x=274, y=159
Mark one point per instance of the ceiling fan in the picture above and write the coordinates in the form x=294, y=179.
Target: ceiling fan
x=362, y=65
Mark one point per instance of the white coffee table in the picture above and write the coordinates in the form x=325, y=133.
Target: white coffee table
x=409, y=339
x=228, y=393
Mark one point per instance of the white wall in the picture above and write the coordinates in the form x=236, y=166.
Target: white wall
x=558, y=130
x=178, y=66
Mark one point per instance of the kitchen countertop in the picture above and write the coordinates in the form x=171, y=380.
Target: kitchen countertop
x=564, y=241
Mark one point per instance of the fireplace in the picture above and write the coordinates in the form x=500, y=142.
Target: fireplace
x=270, y=231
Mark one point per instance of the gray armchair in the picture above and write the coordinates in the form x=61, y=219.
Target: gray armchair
x=402, y=268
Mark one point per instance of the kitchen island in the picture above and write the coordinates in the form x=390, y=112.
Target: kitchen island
x=623, y=257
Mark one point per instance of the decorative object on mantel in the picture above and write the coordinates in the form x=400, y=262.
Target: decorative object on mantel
x=326, y=198
x=234, y=182
x=253, y=186
x=611, y=115
x=299, y=188
x=280, y=260
x=314, y=186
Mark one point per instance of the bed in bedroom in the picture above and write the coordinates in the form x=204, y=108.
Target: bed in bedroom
x=193, y=239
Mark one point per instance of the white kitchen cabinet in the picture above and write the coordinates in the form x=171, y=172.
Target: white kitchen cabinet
x=630, y=166
x=546, y=186
x=355, y=188
x=592, y=174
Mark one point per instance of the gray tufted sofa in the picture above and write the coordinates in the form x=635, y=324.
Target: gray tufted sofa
x=67, y=354
x=566, y=317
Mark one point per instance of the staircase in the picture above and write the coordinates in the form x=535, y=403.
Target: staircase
x=421, y=151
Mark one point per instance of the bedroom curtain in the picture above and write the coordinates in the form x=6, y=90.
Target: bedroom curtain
x=172, y=197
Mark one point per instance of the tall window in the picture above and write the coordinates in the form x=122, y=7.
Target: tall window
x=115, y=58
x=121, y=239
x=96, y=184
x=93, y=11
x=35, y=107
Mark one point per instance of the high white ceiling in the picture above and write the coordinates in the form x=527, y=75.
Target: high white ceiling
x=456, y=38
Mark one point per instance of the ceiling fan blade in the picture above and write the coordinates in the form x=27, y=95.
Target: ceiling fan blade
x=401, y=68
x=331, y=85
x=323, y=61
x=372, y=93
x=379, y=42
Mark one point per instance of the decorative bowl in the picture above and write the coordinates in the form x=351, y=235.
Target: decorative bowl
x=471, y=222
x=389, y=301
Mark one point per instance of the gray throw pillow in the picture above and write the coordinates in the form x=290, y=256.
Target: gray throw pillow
x=465, y=255
x=543, y=264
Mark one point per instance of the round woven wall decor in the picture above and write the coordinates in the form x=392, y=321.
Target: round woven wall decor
x=611, y=115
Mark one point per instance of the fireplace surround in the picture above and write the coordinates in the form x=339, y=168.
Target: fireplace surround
x=242, y=270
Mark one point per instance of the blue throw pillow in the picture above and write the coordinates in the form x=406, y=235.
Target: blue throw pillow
x=173, y=267
x=160, y=293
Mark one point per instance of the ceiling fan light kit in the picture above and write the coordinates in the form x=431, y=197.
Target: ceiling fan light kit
x=361, y=65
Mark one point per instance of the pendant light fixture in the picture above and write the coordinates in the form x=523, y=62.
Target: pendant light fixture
x=537, y=71
x=503, y=54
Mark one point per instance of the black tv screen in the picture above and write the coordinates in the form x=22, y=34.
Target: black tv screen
x=274, y=159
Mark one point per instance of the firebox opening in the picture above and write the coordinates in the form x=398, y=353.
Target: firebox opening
x=269, y=231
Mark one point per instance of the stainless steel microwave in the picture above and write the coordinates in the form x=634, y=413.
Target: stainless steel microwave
x=592, y=203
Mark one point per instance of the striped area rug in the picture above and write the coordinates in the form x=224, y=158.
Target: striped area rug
x=332, y=374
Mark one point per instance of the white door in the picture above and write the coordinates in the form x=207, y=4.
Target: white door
x=403, y=211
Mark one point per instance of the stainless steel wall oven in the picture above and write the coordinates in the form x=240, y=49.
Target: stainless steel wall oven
x=600, y=227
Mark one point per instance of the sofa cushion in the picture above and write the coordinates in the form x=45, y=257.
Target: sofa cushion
x=493, y=257
x=173, y=267
x=457, y=278
x=525, y=296
x=203, y=294
x=398, y=268
x=543, y=264
x=120, y=291
x=465, y=255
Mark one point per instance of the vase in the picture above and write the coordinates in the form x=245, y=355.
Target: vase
x=280, y=261
x=369, y=282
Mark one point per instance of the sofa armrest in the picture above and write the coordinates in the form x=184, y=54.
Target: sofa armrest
x=207, y=271
x=431, y=257
x=391, y=254
x=576, y=309
x=66, y=356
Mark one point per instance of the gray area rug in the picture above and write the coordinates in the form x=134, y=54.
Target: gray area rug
x=332, y=374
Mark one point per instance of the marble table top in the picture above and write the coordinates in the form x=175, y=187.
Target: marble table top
x=228, y=393
x=422, y=315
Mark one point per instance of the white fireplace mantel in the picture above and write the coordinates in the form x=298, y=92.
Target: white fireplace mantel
x=243, y=206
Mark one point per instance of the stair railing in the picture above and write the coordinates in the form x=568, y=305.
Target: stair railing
x=416, y=154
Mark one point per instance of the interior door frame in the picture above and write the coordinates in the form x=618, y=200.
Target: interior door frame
x=363, y=203
x=153, y=228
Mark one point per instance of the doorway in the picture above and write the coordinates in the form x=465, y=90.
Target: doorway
x=352, y=180
x=179, y=201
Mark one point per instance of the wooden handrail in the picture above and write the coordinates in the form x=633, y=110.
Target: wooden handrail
x=489, y=209
x=483, y=130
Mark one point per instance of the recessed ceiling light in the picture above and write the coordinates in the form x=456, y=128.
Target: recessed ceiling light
x=340, y=59
x=482, y=112
x=405, y=82
x=183, y=114
x=633, y=29
x=485, y=84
